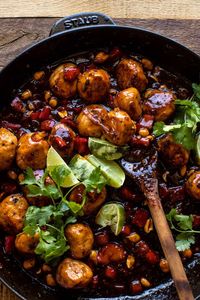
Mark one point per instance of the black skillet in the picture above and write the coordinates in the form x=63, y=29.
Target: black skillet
x=69, y=36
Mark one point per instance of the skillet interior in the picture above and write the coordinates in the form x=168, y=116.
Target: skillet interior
x=168, y=54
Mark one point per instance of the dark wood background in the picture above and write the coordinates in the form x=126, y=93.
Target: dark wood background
x=18, y=33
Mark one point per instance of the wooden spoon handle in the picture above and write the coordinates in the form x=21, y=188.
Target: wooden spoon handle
x=168, y=245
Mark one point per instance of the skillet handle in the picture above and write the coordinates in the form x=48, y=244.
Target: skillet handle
x=80, y=20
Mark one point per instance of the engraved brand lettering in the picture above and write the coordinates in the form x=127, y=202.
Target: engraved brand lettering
x=78, y=22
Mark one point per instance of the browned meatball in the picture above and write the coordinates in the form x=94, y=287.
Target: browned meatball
x=90, y=119
x=118, y=127
x=62, y=83
x=8, y=144
x=25, y=243
x=159, y=103
x=12, y=212
x=129, y=101
x=73, y=273
x=193, y=185
x=80, y=239
x=62, y=139
x=32, y=151
x=94, y=200
x=129, y=73
x=93, y=85
x=172, y=153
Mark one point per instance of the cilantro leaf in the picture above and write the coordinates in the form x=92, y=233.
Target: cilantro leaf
x=184, y=221
x=29, y=177
x=196, y=89
x=59, y=173
x=96, y=181
x=184, y=240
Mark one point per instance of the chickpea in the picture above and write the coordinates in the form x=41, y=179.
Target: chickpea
x=118, y=127
x=193, y=185
x=93, y=85
x=90, y=119
x=129, y=73
x=129, y=101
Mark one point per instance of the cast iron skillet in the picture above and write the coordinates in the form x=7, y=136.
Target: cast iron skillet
x=70, y=36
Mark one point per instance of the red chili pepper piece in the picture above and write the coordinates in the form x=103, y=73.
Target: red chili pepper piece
x=44, y=114
x=152, y=257
x=146, y=122
x=47, y=125
x=126, y=230
x=11, y=126
x=69, y=122
x=81, y=145
x=196, y=221
x=110, y=272
x=9, y=243
x=71, y=73
x=140, y=217
x=111, y=253
x=102, y=238
x=17, y=105
x=177, y=193
x=141, y=248
x=59, y=142
x=115, y=54
x=139, y=141
x=35, y=115
x=136, y=287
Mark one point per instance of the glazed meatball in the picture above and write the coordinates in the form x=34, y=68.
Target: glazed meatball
x=93, y=85
x=26, y=244
x=173, y=154
x=12, y=212
x=8, y=144
x=118, y=127
x=32, y=151
x=80, y=239
x=159, y=103
x=90, y=119
x=193, y=185
x=129, y=73
x=63, y=80
x=93, y=202
x=72, y=273
x=62, y=139
x=129, y=101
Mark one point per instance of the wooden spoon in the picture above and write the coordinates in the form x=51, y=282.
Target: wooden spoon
x=144, y=175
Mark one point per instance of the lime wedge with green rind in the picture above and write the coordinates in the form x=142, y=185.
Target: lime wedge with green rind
x=81, y=167
x=198, y=150
x=110, y=169
x=113, y=215
x=54, y=160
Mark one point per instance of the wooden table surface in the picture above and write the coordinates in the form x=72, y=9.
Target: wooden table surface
x=26, y=22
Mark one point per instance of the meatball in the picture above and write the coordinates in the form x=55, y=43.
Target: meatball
x=8, y=144
x=62, y=139
x=63, y=80
x=90, y=119
x=93, y=202
x=193, y=185
x=12, y=212
x=93, y=85
x=118, y=127
x=129, y=101
x=129, y=73
x=80, y=239
x=72, y=273
x=26, y=244
x=159, y=103
x=32, y=151
x=173, y=154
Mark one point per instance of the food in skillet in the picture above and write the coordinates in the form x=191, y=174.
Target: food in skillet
x=67, y=210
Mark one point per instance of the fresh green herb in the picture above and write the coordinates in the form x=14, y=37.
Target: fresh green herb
x=49, y=222
x=182, y=224
x=95, y=182
x=185, y=122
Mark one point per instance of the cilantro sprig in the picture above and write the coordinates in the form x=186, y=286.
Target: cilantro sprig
x=185, y=121
x=183, y=225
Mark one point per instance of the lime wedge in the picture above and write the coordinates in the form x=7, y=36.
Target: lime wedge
x=113, y=215
x=81, y=167
x=54, y=160
x=198, y=150
x=110, y=169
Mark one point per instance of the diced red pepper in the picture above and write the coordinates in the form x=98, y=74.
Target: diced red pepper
x=102, y=238
x=59, y=142
x=81, y=145
x=136, y=287
x=115, y=54
x=11, y=126
x=196, y=221
x=111, y=253
x=146, y=122
x=69, y=122
x=139, y=141
x=163, y=191
x=110, y=272
x=17, y=105
x=152, y=257
x=44, y=114
x=142, y=248
x=140, y=217
x=35, y=115
x=71, y=73
x=9, y=243
x=126, y=230
x=177, y=193
x=47, y=125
